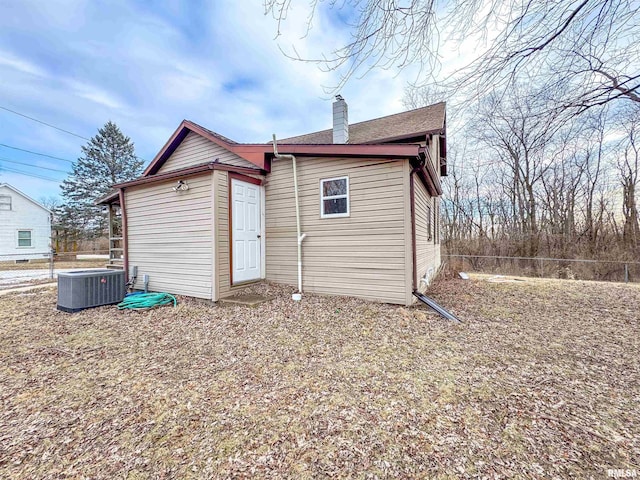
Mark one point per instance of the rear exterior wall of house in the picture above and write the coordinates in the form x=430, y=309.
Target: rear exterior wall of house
x=427, y=234
x=367, y=254
x=170, y=236
x=181, y=239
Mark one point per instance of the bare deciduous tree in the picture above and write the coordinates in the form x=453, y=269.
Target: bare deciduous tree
x=537, y=185
x=628, y=164
x=586, y=49
x=521, y=141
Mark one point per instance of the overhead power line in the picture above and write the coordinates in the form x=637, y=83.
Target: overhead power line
x=52, y=126
x=12, y=170
x=35, y=153
x=32, y=166
x=43, y=123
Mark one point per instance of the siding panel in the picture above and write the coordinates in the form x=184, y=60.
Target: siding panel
x=170, y=238
x=427, y=251
x=23, y=215
x=195, y=150
x=361, y=255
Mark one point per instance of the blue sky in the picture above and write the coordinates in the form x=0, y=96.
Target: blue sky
x=146, y=65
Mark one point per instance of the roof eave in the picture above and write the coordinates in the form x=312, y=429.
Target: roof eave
x=188, y=171
x=11, y=187
x=428, y=174
x=168, y=148
x=108, y=199
x=351, y=150
x=412, y=136
x=247, y=152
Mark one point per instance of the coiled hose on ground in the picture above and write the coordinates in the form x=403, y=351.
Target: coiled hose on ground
x=143, y=301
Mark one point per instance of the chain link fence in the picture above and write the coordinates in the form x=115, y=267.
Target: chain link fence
x=564, y=268
x=18, y=268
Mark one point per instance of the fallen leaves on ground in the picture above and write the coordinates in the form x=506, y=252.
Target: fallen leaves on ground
x=540, y=382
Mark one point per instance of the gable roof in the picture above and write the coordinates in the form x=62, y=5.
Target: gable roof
x=252, y=153
x=14, y=189
x=394, y=150
x=260, y=154
x=404, y=125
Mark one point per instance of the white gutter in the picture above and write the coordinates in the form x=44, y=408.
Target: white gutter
x=300, y=236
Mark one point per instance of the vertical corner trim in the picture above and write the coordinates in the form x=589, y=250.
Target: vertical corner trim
x=125, y=235
x=407, y=231
x=215, y=271
x=412, y=199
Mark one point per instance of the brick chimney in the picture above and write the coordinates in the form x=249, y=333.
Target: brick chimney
x=340, y=121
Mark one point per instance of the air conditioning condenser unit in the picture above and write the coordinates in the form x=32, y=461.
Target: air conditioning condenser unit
x=90, y=288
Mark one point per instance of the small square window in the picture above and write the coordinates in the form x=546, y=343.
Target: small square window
x=436, y=220
x=334, y=197
x=24, y=238
x=5, y=202
x=428, y=219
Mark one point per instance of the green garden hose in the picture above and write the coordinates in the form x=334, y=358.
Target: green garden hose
x=144, y=301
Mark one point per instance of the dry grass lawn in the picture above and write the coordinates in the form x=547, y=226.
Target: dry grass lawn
x=541, y=382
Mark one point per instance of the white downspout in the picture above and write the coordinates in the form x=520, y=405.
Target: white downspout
x=300, y=236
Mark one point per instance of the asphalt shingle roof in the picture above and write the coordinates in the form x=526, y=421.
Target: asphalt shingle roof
x=399, y=125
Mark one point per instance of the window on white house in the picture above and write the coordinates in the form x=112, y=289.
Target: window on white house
x=24, y=238
x=429, y=229
x=5, y=202
x=334, y=197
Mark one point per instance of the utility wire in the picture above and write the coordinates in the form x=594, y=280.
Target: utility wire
x=52, y=126
x=33, y=166
x=12, y=170
x=43, y=123
x=19, y=172
x=35, y=153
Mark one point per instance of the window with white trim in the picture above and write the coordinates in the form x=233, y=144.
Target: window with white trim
x=5, y=202
x=24, y=238
x=334, y=197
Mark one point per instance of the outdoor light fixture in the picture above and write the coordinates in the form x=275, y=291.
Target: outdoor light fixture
x=182, y=186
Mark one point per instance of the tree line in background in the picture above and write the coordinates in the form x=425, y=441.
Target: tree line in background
x=107, y=158
x=527, y=184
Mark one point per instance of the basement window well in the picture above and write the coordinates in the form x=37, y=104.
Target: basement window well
x=334, y=197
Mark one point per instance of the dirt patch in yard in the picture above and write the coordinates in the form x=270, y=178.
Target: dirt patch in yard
x=541, y=381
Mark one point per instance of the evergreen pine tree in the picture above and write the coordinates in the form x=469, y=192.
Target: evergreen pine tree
x=108, y=158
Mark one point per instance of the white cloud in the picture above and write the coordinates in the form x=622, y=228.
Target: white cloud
x=95, y=94
x=147, y=69
x=9, y=61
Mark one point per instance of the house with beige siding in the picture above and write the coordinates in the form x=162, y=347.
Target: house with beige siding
x=352, y=210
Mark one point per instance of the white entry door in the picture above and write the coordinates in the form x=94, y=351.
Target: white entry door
x=246, y=231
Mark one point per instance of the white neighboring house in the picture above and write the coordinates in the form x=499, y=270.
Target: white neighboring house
x=25, y=226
